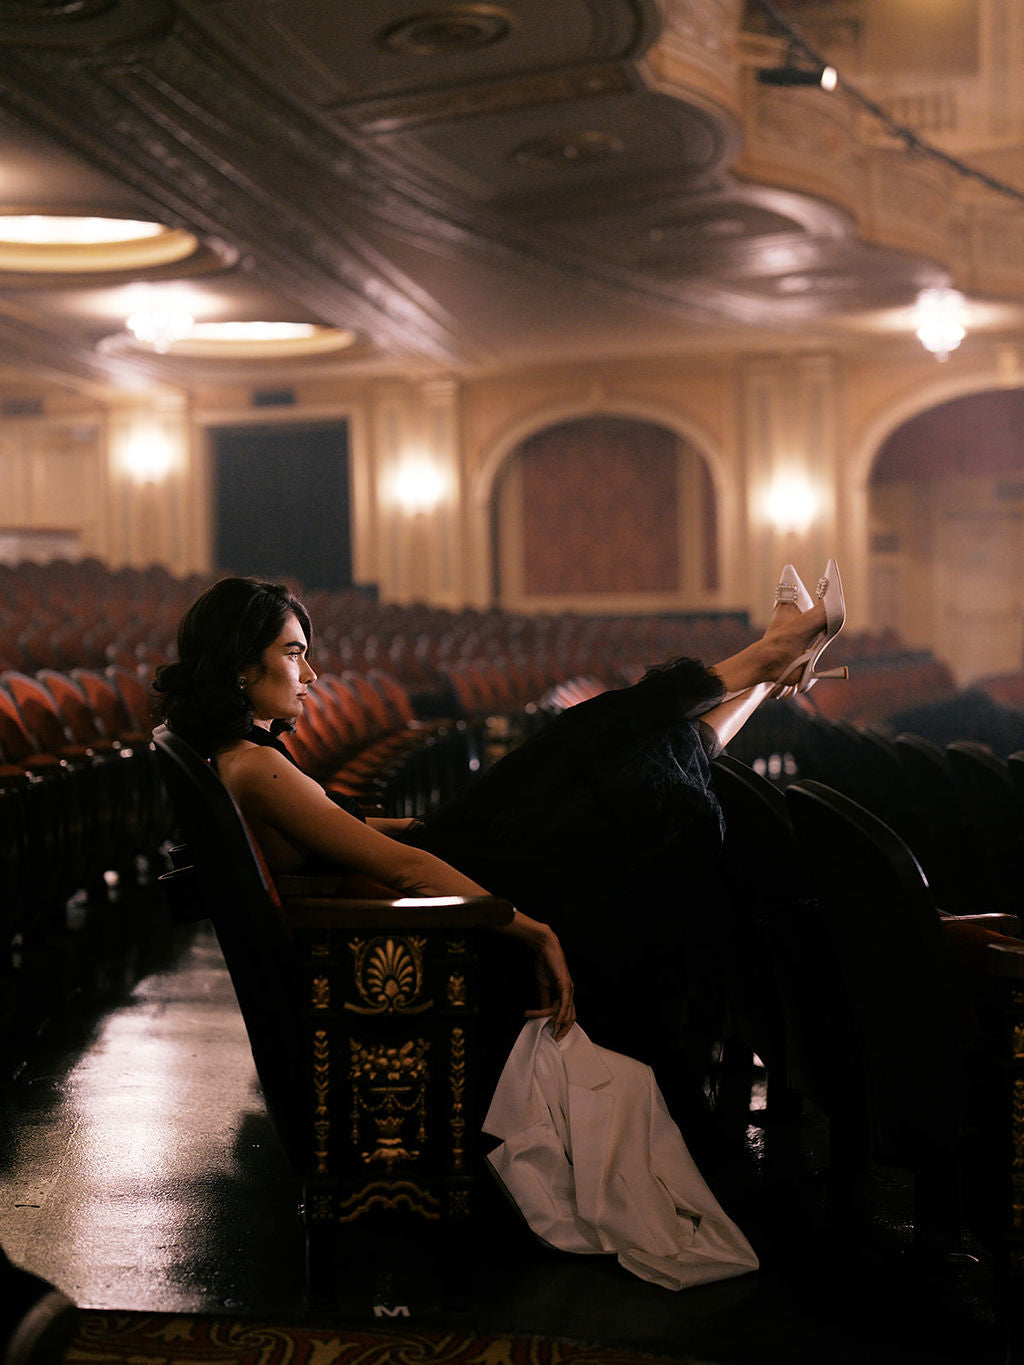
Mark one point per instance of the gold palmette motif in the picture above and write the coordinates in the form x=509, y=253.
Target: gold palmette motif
x=321, y=1087
x=321, y=992
x=389, y=975
x=457, y=991
x=389, y=1088
x=458, y=1083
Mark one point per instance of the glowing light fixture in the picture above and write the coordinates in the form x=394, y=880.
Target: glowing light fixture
x=940, y=315
x=791, y=503
x=160, y=321
x=148, y=458
x=796, y=71
x=252, y=331
x=419, y=486
x=64, y=243
x=43, y=229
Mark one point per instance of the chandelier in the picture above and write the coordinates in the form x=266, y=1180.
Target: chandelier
x=940, y=315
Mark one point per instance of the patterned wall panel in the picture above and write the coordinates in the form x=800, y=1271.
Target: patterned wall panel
x=600, y=501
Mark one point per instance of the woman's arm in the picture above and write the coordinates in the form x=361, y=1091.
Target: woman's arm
x=273, y=793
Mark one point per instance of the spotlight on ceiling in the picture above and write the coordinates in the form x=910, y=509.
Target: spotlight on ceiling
x=794, y=74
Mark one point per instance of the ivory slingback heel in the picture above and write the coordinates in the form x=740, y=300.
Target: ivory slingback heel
x=830, y=593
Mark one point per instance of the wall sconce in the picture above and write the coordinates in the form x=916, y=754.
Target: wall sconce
x=940, y=315
x=419, y=486
x=148, y=457
x=791, y=504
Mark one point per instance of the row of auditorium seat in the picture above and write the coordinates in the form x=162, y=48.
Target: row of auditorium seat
x=897, y=1022
x=84, y=615
x=958, y=805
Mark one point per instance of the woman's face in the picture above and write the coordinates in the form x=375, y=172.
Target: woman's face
x=277, y=689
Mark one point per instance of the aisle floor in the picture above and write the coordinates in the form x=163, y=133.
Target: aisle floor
x=139, y=1172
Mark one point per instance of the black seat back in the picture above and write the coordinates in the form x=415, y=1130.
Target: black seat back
x=884, y=932
x=772, y=922
x=232, y=887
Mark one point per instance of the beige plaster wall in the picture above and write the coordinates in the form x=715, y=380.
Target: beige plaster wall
x=426, y=456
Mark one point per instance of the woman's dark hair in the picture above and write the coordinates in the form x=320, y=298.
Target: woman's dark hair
x=223, y=633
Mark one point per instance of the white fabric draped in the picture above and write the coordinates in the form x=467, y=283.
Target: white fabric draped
x=595, y=1163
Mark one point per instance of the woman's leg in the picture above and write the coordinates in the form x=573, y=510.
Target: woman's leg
x=751, y=675
x=728, y=717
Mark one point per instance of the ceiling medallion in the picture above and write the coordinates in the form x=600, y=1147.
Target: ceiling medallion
x=456, y=28
x=573, y=149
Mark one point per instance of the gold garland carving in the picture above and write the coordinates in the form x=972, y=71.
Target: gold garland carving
x=389, y=975
x=321, y=1088
x=1017, y=1156
x=458, y=1083
x=389, y=1194
x=321, y=992
x=389, y=1087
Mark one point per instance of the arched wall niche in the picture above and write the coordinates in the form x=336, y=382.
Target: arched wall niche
x=945, y=516
x=603, y=511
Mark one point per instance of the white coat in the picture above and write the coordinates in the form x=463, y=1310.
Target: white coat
x=593, y=1160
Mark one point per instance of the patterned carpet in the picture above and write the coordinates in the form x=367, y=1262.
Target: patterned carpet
x=167, y=1339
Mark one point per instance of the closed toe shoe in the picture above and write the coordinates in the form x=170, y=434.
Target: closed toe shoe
x=790, y=590
x=830, y=593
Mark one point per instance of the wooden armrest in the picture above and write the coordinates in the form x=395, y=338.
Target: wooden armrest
x=408, y=912
x=1000, y=921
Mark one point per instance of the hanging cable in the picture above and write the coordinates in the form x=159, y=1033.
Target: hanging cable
x=911, y=141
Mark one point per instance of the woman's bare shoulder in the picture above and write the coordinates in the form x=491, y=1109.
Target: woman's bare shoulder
x=245, y=763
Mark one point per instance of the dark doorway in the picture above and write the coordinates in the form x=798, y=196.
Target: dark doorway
x=281, y=502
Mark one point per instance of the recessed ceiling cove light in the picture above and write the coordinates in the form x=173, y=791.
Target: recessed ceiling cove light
x=259, y=340
x=51, y=230
x=47, y=243
x=252, y=331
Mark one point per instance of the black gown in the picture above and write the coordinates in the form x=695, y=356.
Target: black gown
x=605, y=825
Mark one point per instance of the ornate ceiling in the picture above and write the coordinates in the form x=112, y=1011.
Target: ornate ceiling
x=463, y=186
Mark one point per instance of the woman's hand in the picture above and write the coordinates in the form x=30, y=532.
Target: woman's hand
x=554, y=983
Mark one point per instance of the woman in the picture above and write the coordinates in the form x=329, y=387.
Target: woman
x=242, y=672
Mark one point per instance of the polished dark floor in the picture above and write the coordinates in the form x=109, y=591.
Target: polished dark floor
x=138, y=1172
